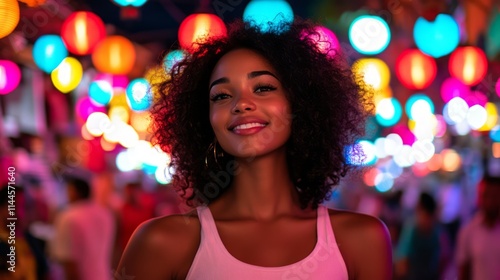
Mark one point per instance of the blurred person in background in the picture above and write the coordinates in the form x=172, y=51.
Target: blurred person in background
x=136, y=208
x=84, y=235
x=24, y=265
x=478, y=247
x=421, y=251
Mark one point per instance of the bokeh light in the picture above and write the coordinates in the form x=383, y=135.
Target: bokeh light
x=9, y=13
x=10, y=76
x=453, y=87
x=68, y=75
x=437, y=38
x=415, y=70
x=468, y=64
x=388, y=112
x=451, y=160
x=139, y=95
x=197, y=28
x=82, y=31
x=114, y=55
x=419, y=105
x=172, y=58
x=374, y=72
x=369, y=34
x=48, y=52
x=267, y=15
x=100, y=92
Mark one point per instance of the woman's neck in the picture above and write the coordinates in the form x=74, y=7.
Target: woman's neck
x=262, y=188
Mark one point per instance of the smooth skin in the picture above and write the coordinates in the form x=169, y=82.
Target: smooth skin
x=258, y=218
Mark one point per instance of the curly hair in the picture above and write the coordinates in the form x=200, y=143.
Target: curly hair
x=328, y=108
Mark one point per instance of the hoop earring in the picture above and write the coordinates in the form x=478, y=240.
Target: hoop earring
x=213, y=146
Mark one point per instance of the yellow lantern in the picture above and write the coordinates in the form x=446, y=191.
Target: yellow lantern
x=68, y=75
x=114, y=55
x=492, y=117
x=9, y=15
x=373, y=71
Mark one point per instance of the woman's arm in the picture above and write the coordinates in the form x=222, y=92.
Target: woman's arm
x=365, y=244
x=161, y=248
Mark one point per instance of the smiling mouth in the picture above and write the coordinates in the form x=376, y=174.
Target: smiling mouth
x=248, y=126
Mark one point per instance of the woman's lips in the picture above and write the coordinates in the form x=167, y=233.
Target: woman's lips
x=248, y=128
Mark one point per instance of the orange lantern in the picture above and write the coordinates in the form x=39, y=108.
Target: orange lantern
x=468, y=64
x=415, y=70
x=81, y=32
x=33, y=3
x=197, y=28
x=114, y=55
x=9, y=14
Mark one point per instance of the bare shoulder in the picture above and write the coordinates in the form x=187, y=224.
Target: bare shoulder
x=364, y=243
x=162, y=248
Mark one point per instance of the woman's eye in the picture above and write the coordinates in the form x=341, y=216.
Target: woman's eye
x=219, y=96
x=264, y=88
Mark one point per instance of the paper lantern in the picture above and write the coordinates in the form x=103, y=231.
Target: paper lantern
x=436, y=38
x=139, y=96
x=415, y=70
x=10, y=76
x=135, y=3
x=369, y=35
x=173, y=58
x=48, y=52
x=267, y=14
x=68, y=75
x=374, y=71
x=114, y=55
x=9, y=15
x=81, y=32
x=325, y=40
x=468, y=64
x=197, y=28
x=453, y=87
x=33, y=3
x=388, y=112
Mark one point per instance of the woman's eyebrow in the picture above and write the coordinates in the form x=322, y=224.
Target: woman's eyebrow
x=218, y=81
x=250, y=75
x=254, y=74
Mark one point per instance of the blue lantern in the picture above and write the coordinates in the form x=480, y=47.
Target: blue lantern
x=172, y=58
x=369, y=35
x=135, y=3
x=139, y=96
x=423, y=105
x=268, y=14
x=101, y=92
x=48, y=52
x=437, y=38
x=389, y=112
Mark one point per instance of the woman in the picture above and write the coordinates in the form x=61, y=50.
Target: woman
x=257, y=125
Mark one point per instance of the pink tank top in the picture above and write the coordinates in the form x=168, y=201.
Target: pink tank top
x=213, y=261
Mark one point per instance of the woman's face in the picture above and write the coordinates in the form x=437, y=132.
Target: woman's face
x=249, y=111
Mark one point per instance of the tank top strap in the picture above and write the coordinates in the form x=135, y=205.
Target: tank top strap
x=325, y=231
x=208, y=228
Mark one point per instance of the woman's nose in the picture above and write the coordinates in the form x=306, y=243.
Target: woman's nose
x=242, y=104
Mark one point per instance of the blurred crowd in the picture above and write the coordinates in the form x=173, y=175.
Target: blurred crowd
x=68, y=229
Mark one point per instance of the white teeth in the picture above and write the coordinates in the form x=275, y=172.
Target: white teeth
x=249, y=125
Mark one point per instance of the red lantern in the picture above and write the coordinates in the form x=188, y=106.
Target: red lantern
x=415, y=70
x=468, y=64
x=197, y=28
x=81, y=32
x=114, y=55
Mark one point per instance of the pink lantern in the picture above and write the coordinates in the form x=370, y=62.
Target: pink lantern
x=10, y=76
x=453, y=87
x=116, y=81
x=497, y=87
